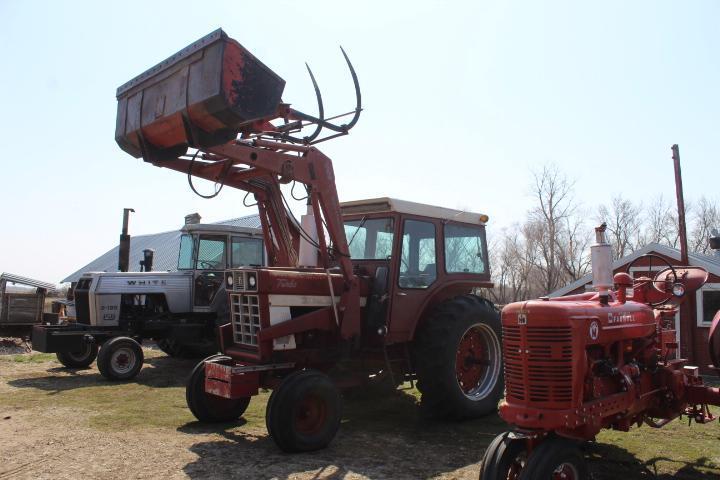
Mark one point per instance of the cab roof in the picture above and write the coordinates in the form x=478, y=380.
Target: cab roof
x=220, y=229
x=386, y=204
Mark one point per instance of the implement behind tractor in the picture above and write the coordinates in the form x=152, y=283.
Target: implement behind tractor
x=370, y=288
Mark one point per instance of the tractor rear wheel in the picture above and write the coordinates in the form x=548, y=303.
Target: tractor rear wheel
x=303, y=413
x=458, y=359
x=80, y=359
x=173, y=348
x=120, y=358
x=209, y=408
x=556, y=458
x=504, y=458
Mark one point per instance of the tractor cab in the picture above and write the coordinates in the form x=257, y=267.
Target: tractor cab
x=208, y=250
x=413, y=255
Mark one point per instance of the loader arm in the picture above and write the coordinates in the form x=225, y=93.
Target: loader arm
x=260, y=167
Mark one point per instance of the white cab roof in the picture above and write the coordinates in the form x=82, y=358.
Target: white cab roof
x=385, y=204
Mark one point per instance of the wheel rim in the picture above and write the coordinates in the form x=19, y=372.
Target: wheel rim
x=516, y=468
x=310, y=415
x=477, y=361
x=123, y=360
x=566, y=471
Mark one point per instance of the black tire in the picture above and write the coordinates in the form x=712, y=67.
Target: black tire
x=453, y=328
x=504, y=454
x=120, y=358
x=208, y=408
x=553, y=454
x=79, y=359
x=172, y=348
x=304, y=412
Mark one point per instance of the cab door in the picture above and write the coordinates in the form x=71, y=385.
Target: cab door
x=416, y=274
x=210, y=264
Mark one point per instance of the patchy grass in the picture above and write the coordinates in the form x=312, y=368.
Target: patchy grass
x=31, y=358
x=382, y=433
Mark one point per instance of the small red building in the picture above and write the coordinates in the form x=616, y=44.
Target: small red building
x=696, y=313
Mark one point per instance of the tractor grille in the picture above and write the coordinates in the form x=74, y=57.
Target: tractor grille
x=538, y=364
x=245, y=318
x=238, y=280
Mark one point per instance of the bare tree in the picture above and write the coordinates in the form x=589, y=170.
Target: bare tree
x=661, y=222
x=623, y=225
x=553, y=194
x=705, y=218
x=513, y=261
x=574, y=243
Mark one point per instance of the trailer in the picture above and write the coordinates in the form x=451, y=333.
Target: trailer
x=20, y=311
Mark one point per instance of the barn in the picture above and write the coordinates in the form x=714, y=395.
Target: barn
x=165, y=244
x=694, y=319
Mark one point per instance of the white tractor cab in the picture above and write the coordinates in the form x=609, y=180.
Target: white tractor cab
x=180, y=310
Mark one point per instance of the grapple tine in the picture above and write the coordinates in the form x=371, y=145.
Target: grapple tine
x=358, y=96
x=321, y=108
x=321, y=122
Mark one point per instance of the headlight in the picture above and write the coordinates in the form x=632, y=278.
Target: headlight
x=252, y=281
x=678, y=289
x=230, y=280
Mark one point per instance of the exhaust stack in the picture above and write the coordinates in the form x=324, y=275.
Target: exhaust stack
x=146, y=264
x=124, y=250
x=601, y=257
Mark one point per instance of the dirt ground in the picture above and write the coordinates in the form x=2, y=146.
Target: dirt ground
x=56, y=423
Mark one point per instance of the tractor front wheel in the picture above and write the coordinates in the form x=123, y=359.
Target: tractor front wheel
x=458, y=359
x=120, y=358
x=504, y=458
x=80, y=359
x=209, y=408
x=303, y=413
x=556, y=458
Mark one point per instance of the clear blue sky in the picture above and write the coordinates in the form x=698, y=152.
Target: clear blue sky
x=462, y=99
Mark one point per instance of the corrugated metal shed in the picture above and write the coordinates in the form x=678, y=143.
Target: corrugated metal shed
x=165, y=244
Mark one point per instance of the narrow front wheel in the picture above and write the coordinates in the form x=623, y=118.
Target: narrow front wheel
x=504, y=458
x=556, y=458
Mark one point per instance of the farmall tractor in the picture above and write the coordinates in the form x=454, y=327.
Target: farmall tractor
x=374, y=287
x=605, y=359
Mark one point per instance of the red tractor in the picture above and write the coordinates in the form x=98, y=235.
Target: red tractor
x=605, y=359
x=370, y=288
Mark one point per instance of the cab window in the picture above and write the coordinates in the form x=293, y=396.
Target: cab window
x=465, y=250
x=246, y=252
x=211, y=253
x=418, y=268
x=370, y=239
x=185, y=259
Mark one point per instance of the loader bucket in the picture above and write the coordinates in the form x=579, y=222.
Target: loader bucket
x=714, y=340
x=201, y=97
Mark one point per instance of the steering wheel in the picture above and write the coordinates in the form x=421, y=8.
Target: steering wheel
x=655, y=281
x=205, y=265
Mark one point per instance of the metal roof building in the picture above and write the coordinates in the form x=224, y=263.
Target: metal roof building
x=165, y=244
